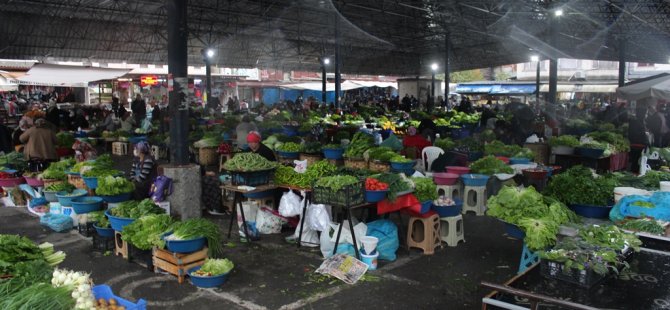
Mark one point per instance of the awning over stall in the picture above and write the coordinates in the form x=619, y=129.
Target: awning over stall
x=658, y=88
x=68, y=76
x=581, y=88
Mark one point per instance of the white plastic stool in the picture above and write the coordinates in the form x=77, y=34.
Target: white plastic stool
x=474, y=199
x=450, y=191
x=451, y=230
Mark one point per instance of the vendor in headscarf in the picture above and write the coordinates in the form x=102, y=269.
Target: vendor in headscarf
x=414, y=141
x=255, y=146
x=143, y=170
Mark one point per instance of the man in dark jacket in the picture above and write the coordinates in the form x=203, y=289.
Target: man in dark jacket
x=139, y=108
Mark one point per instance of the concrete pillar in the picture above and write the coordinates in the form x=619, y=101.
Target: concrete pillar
x=178, y=70
x=185, y=200
x=446, y=66
x=622, y=62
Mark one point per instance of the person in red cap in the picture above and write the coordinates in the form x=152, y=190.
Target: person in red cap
x=255, y=146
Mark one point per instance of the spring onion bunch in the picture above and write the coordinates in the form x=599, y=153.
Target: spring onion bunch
x=198, y=228
x=80, y=285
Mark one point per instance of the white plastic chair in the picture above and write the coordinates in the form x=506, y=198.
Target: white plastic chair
x=428, y=155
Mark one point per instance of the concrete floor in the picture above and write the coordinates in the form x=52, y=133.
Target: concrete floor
x=273, y=274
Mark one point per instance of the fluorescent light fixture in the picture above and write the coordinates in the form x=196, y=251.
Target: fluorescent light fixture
x=534, y=58
x=210, y=52
x=434, y=66
x=326, y=61
x=558, y=12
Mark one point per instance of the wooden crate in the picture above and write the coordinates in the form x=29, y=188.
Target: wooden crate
x=120, y=148
x=207, y=156
x=121, y=247
x=378, y=166
x=310, y=158
x=176, y=263
x=76, y=181
x=356, y=163
x=336, y=162
x=48, y=182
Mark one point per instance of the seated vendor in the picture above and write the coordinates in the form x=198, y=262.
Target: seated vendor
x=414, y=141
x=255, y=146
x=143, y=170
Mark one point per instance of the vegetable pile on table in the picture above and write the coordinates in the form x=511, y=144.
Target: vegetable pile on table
x=538, y=216
x=564, y=140
x=373, y=184
x=289, y=147
x=380, y=153
x=57, y=170
x=134, y=209
x=578, y=185
x=490, y=165
x=214, y=267
x=285, y=175
x=145, y=232
x=424, y=189
x=336, y=183
x=110, y=186
x=358, y=145
x=248, y=162
x=397, y=183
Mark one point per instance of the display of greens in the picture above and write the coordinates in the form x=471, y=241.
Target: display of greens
x=64, y=139
x=99, y=218
x=60, y=187
x=39, y=296
x=538, y=216
x=564, y=140
x=17, y=160
x=311, y=148
x=445, y=143
x=285, y=175
x=57, y=169
x=289, y=147
x=336, y=183
x=145, y=232
x=397, y=183
x=646, y=225
x=248, y=162
x=424, y=189
x=15, y=249
x=110, y=186
x=577, y=185
x=490, y=165
x=197, y=228
x=331, y=146
x=380, y=153
x=650, y=181
x=134, y=209
x=468, y=145
x=215, y=267
x=97, y=172
x=498, y=148
x=397, y=158
x=358, y=145
x=618, y=141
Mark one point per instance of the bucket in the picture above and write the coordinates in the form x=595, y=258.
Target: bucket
x=369, y=244
x=665, y=186
x=370, y=260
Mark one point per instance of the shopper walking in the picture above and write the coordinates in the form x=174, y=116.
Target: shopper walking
x=139, y=108
x=40, y=142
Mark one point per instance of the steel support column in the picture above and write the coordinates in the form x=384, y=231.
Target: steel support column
x=622, y=62
x=177, y=69
x=553, y=60
x=338, y=78
x=323, y=81
x=446, y=67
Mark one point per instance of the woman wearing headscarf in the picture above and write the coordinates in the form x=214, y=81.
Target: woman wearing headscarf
x=255, y=146
x=143, y=170
x=24, y=124
x=243, y=129
x=40, y=142
x=414, y=141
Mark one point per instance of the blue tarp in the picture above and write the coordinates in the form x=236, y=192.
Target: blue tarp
x=473, y=88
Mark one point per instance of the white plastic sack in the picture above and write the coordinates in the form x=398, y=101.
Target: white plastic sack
x=300, y=166
x=250, y=214
x=360, y=230
x=310, y=236
x=318, y=217
x=326, y=244
x=290, y=204
x=267, y=222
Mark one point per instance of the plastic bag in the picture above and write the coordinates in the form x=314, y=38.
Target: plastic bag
x=290, y=204
x=250, y=213
x=309, y=237
x=57, y=222
x=318, y=217
x=327, y=243
x=267, y=222
x=392, y=142
x=387, y=233
x=360, y=230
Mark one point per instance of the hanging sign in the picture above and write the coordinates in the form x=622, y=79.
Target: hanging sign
x=148, y=80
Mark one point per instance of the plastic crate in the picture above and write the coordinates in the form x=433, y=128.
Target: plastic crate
x=86, y=230
x=586, y=278
x=103, y=244
x=105, y=292
x=251, y=178
x=348, y=196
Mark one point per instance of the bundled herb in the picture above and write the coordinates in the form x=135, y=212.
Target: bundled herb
x=490, y=165
x=337, y=182
x=134, y=209
x=564, y=140
x=578, y=186
x=60, y=187
x=146, y=231
x=198, y=228
x=39, y=296
x=358, y=145
x=644, y=225
x=424, y=189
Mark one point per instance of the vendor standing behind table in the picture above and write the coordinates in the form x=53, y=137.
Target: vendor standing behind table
x=255, y=146
x=40, y=142
x=24, y=124
x=242, y=130
x=143, y=170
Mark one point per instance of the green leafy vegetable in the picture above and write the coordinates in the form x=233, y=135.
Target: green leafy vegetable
x=337, y=182
x=578, y=186
x=214, y=267
x=289, y=147
x=644, y=225
x=60, y=187
x=490, y=165
x=198, y=228
x=564, y=140
x=110, y=186
x=425, y=189
x=358, y=145
x=146, y=231
x=248, y=162
x=133, y=209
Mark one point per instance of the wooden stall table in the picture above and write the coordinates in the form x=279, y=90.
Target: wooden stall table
x=237, y=201
x=614, y=162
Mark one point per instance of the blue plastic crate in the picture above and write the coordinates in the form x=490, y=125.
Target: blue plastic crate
x=105, y=292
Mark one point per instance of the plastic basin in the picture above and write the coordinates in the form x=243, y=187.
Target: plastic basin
x=519, y=161
x=475, y=179
x=207, y=282
x=375, y=196
x=425, y=206
x=116, y=198
x=65, y=198
x=86, y=204
x=104, y=232
x=12, y=182
x=137, y=139
x=333, y=153
x=447, y=211
x=105, y=292
x=185, y=246
x=595, y=212
x=118, y=223
x=50, y=196
x=514, y=231
x=288, y=154
x=34, y=182
x=445, y=178
x=402, y=166
x=91, y=182
x=458, y=170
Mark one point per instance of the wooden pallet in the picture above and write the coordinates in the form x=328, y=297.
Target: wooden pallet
x=176, y=263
